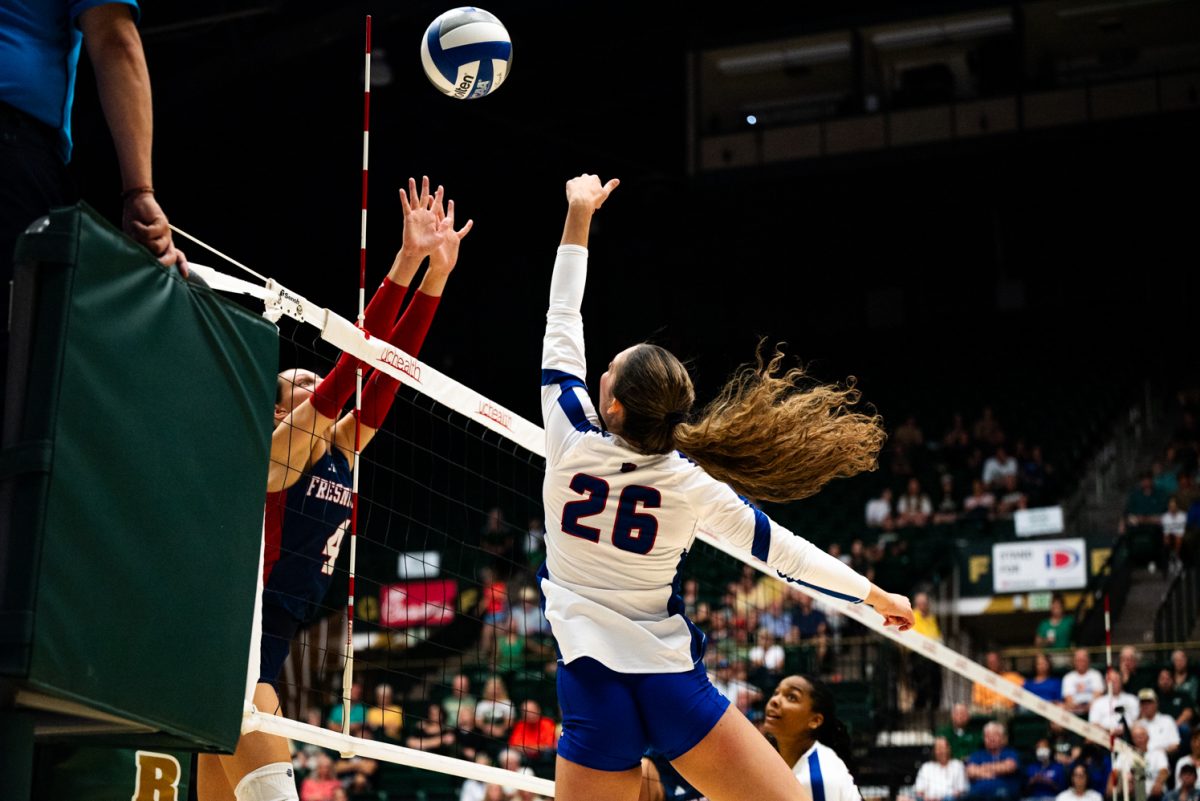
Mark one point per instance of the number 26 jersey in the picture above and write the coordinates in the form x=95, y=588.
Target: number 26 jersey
x=619, y=523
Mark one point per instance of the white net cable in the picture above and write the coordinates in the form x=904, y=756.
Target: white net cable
x=376, y=353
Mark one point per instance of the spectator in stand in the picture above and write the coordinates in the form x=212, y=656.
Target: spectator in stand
x=879, y=511
x=1174, y=526
x=530, y=622
x=1037, y=478
x=1188, y=493
x=941, y=778
x=984, y=699
x=1176, y=705
x=358, y=710
x=510, y=651
x=1166, y=476
x=1044, y=777
x=907, y=442
x=766, y=660
x=1067, y=745
x=534, y=734
x=835, y=550
x=494, y=706
x=777, y=621
x=1098, y=762
x=963, y=740
x=1044, y=684
x=1186, y=682
x=955, y=443
x=1145, y=506
x=385, y=718
x=1079, y=790
x=1116, y=712
x=320, y=785
x=998, y=467
x=493, y=607
x=1185, y=789
x=909, y=435
x=1134, y=677
x=1011, y=498
x=947, y=508
x=498, y=542
x=914, y=507
x=986, y=431
x=1055, y=632
x=811, y=621
x=859, y=559
x=1082, y=685
x=460, y=696
x=1156, y=771
x=1163, y=733
x=1193, y=758
x=980, y=503
x=472, y=743
x=926, y=674
x=431, y=734
x=535, y=543
x=992, y=770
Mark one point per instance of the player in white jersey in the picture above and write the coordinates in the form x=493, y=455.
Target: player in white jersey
x=623, y=506
x=801, y=720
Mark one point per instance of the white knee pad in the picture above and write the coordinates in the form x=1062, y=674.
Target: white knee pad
x=274, y=782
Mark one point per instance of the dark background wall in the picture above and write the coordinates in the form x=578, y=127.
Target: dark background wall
x=1027, y=258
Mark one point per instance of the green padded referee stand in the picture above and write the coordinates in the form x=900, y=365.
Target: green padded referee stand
x=137, y=426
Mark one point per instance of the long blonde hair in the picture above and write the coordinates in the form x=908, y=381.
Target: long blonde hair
x=771, y=434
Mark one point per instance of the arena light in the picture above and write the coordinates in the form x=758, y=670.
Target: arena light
x=782, y=58
x=915, y=36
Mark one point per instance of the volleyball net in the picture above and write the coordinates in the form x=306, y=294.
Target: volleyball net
x=452, y=660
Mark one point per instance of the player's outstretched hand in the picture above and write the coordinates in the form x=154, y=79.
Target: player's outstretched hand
x=444, y=255
x=587, y=191
x=895, y=608
x=420, y=219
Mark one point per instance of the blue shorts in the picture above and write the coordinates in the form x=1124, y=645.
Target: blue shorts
x=279, y=628
x=610, y=719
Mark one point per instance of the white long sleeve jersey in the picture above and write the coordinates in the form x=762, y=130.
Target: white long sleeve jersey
x=620, y=523
x=823, y=776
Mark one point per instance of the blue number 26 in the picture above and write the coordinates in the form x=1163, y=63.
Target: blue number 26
x=633, y=531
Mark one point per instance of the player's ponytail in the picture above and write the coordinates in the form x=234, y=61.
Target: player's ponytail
x=832, y=732
x=771, y=434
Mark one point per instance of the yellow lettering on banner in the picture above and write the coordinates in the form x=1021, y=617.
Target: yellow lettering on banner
x=1099, y=557
x=157, y=777
x=978, y=566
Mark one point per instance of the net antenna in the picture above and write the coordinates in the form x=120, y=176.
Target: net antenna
x=348, y=670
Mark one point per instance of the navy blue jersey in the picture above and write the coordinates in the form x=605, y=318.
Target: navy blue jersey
x=304, y=525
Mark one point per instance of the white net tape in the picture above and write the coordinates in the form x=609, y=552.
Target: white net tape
x=376, y=353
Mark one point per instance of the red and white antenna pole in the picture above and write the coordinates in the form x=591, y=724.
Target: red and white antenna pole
x=348, y=670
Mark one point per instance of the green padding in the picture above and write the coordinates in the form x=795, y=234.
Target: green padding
x=161, y=417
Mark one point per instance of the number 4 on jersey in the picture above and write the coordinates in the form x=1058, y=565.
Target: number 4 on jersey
x=332, y=547
x=633, y=531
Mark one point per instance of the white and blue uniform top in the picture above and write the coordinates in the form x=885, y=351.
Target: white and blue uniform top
x=823, y=776
x=620, y=523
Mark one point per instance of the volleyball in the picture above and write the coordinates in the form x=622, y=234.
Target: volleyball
x=466, y=53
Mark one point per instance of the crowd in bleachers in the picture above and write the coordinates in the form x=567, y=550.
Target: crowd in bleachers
x=981, y=474
x=1152, y=706
x=1161, y=517
x=760, y=630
